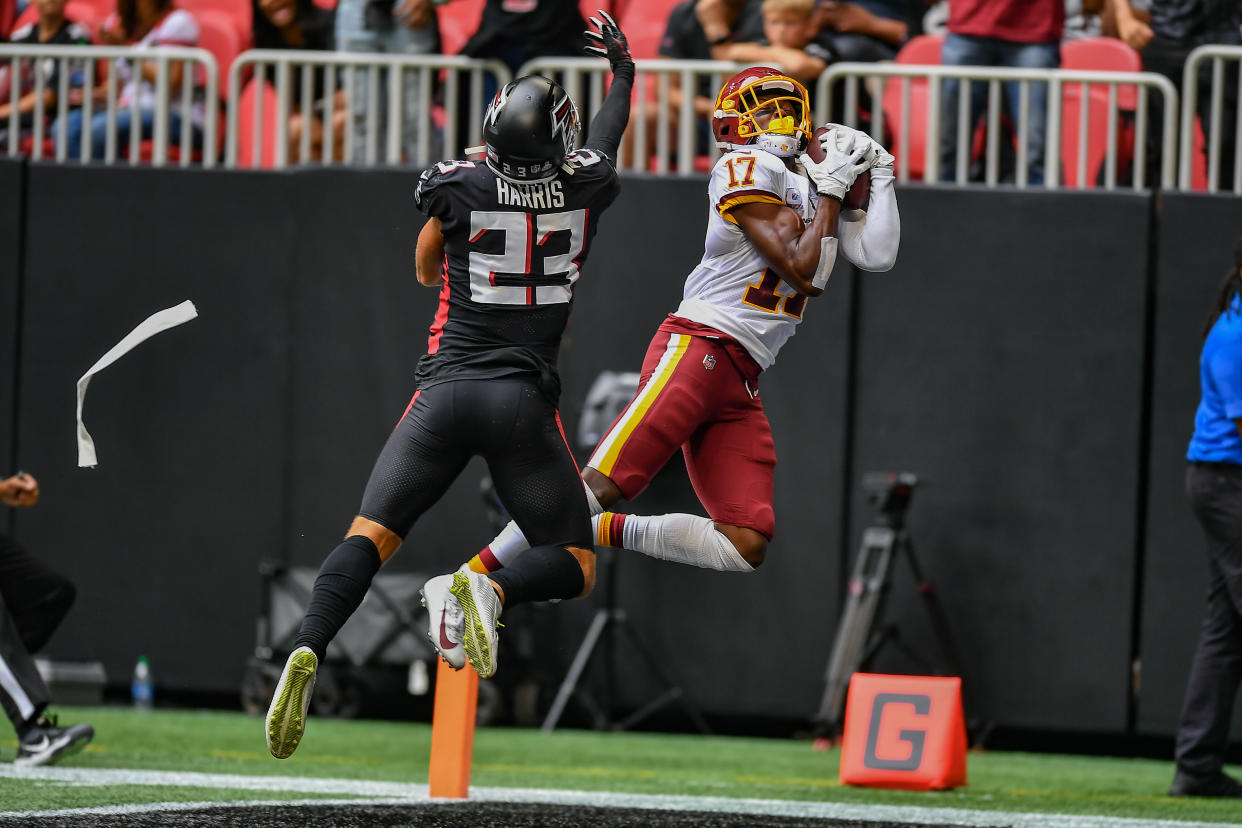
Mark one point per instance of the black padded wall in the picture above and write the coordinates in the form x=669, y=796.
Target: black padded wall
x=1196, y=237
x=11, y=195
x=1002, y=359
x=163, y=537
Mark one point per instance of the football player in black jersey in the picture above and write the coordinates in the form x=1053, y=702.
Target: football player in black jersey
x=505, y=240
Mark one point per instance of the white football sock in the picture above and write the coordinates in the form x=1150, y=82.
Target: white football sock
x=681, y=538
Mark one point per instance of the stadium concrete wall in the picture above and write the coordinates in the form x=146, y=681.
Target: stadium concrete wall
x=1005, y=358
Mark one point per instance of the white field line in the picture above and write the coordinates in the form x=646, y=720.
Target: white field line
x=390, y=793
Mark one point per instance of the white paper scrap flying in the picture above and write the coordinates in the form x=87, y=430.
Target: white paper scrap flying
x=149, y=327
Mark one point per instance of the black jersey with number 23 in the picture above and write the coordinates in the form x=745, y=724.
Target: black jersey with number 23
x=513, y=254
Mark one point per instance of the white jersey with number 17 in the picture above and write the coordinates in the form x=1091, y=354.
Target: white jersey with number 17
x=733, y=290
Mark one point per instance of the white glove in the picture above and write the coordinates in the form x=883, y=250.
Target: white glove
x=883, y=160
x=844, y=158
x=877, y=156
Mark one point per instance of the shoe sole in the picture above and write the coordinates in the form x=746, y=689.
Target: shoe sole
x=474, y=636
x=435, y=645
x=286, y=718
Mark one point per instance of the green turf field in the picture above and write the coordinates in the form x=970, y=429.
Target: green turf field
x=397, y=752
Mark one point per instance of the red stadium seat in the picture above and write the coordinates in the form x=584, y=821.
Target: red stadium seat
x=1198, y=161
x=458, y=20
x=238, y=11
x=644, y=23
x=923, y=50
x=1104, y=54
x=590, y=7
x=248, y=155
x=218, y=35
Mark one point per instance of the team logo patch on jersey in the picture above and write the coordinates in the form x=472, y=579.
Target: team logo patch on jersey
x=709, y=362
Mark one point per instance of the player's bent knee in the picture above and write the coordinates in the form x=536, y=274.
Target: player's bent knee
x=605, y=491
x=386, y=541
x=751, y=545
x=586, y=560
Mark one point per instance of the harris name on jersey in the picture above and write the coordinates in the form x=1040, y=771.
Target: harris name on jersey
x=532, y=196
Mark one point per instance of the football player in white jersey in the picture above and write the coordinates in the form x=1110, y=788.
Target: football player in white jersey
x=777, y=222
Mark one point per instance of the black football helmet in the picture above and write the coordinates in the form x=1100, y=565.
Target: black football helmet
x=528, y=129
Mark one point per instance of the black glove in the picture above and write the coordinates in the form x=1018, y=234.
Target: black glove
x=608, y=42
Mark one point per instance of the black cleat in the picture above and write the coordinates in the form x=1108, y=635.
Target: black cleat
x=1213, y=784
x=45, y=742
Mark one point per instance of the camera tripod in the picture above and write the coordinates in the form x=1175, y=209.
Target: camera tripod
x=611, y=614
x=861, y=633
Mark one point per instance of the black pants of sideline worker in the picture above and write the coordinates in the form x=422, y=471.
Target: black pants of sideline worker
x=33, y=602
x=1215, y=492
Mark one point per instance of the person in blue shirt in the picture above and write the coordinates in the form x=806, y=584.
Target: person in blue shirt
x=1214, y=486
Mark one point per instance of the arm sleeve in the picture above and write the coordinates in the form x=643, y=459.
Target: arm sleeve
x=870, y=239
x=614, y=113
x=1226, y=369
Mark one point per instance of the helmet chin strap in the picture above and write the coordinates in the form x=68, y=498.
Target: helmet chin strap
x=782, y=146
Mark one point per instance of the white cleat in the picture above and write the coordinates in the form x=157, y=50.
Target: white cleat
x=445, y=620
x=481, y=606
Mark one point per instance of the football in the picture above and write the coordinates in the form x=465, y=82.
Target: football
x=860, y=193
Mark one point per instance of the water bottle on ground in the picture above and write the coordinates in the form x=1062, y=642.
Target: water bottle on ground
x=142, y=688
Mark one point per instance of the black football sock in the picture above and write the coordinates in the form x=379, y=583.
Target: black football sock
x=540, y=574
x=341, y=585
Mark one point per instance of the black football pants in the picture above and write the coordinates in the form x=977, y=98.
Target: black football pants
x=33, y=602
x=1215, y=491
x=514, y=428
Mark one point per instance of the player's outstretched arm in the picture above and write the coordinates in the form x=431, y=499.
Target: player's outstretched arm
x=607, y=40
x=870, y=238
x=429, y=254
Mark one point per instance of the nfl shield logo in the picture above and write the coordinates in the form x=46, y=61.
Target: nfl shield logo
x=709, y=362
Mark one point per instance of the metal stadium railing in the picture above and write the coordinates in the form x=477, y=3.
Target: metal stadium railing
x=80, y=67
x=1219, y=56
x=353, y=80
x=898, y=91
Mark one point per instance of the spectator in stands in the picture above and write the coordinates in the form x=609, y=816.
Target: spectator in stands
x=1214, y=486
x=33, y=602
x=142, y=24
x=516, y=31
x=300, y=24
x=9, y=9
x=397, y=27
x=788, y=41
x=865, y=30
x=695, y=28
x=1021, y=33
x=51, y=29
x=1176, y=27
